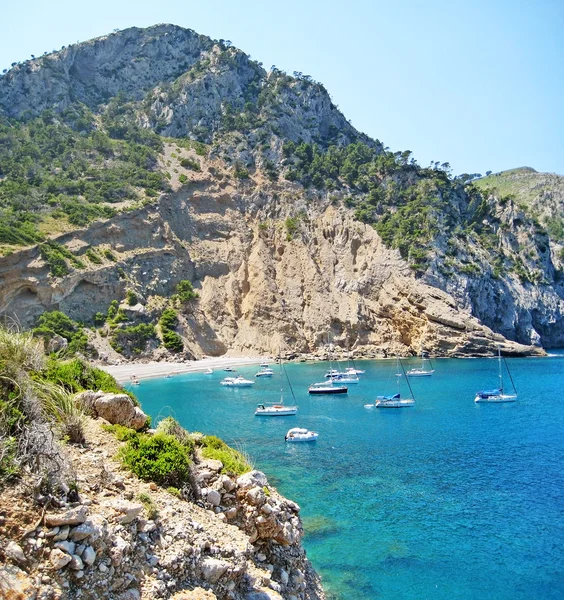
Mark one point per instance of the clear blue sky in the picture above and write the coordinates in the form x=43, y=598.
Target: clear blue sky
x=475, y=83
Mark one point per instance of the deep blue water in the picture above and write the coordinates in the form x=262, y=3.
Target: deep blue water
x=445, y=500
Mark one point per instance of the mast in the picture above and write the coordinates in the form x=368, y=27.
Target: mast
x=499, y=366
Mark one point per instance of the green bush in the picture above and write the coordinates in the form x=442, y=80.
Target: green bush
x=185, y=291
x=172, y=341
x=76, y=376
x=131, y=298
x=134, y=338
x=190, y=163
x=160, y=458
x=233, y=461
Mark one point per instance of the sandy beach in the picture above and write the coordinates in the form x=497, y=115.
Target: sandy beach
x=126, y=372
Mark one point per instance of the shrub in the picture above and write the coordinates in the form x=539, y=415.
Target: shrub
x=149, y=506
x=160, y=458
x=170, y=426
x=185, y=291
x=190, y=163
x=233, y=461
x=131, y=298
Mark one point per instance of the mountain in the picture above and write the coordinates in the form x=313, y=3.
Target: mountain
x=136, y=162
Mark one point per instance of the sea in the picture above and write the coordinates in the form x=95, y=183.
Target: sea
x=444, y=500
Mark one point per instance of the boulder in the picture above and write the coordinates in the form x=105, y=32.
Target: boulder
x=119, y=409
x=15, y=552
x=74, y=516
x=59, y=559
x=214, y=497
x=213, y=569
x=252, y=479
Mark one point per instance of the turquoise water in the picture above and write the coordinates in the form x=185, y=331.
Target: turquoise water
x=445, y=500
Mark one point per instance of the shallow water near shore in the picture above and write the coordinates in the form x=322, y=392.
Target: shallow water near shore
x=444, y=500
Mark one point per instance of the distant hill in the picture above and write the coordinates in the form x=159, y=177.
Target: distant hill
x=542, y=194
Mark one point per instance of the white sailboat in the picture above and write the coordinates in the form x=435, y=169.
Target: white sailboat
x=279, y=409
x=423, y=370
x=332, y=385
x=497, y=395
x=394, y=400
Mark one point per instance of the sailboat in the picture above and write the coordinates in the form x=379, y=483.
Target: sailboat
x=421, y=371
x=331, y=386
x=394, y=400
x=498, y=395
x=279, y=409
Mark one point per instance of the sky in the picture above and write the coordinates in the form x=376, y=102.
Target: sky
x=475, y=83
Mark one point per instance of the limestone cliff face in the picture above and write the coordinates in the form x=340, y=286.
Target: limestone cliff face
x=262, y=284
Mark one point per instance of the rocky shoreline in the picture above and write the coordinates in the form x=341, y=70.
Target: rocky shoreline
x=116, y=537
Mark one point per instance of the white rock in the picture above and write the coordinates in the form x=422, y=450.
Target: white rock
x=284, y=577
x=119, y=408
x=129, y=510
x=88, y=529
x=256, y=496
x=59, y=559
x=214, y=497
x=66, y=546
x=62, y=534
x=227, y=483
x=89, y=555
x=252, y=479
x=213, y=569
x=15, y=552
x=76, y=563
x=74, y=516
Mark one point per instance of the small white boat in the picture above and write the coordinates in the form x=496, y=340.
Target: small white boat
x=297, y=434
x=208, y=371
x=265, y=372
x=230, y=369
x=275, y=410
x=497, y=395
x=345, y=378
x=237, y=382
x=421, y=371
x=354, y=371
x=327, y=387
x=265, y=365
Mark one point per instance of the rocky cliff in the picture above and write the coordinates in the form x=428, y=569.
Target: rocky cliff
x=117, y=537
x=288, y=221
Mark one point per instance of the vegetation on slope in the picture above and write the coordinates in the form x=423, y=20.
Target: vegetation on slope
x=72, y=167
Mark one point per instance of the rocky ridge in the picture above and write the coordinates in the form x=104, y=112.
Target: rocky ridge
x=116, y=537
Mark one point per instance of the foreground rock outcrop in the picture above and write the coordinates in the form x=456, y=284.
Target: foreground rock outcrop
x=119, y=538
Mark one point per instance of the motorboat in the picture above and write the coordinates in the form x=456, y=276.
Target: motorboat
x=208, y=371
x=395, y=401
x=298, y=434
x=239, y=381
x=229, y=369
x=265, y=372
x=497, y=395
x=328, y=387
x=354, y=371
x=275, y=410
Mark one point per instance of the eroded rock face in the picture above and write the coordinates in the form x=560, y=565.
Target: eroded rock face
x=257, y=288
